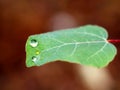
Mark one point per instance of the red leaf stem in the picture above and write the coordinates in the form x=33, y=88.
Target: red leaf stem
x=114, y=40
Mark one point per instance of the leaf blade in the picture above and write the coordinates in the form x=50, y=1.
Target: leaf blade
x=84, y=45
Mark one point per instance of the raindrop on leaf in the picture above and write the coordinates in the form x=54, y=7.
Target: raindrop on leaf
x=34, y=59
x=34, y=43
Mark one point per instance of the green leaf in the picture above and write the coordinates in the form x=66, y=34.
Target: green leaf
x=86, y=45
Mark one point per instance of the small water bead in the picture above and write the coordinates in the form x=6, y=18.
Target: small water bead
x=34, y=59
x=37, y=52
x=34, y=43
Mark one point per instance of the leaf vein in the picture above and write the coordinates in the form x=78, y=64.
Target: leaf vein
x=78, y=43
x=97, y=52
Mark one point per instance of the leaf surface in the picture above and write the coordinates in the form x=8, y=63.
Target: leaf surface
x=86, y=45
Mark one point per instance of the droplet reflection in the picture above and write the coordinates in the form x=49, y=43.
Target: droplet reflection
x=34, y=59
x=34, y=43
x=37, y=52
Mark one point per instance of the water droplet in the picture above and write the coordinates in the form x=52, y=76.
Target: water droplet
x=37, y=52
x=34, y=43
x=34, y=58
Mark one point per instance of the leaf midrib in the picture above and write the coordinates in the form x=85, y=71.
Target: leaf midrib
x=77, y=43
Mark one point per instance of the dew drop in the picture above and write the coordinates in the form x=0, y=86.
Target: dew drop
x=34, y=43
x=34, y=58
x=37, y=52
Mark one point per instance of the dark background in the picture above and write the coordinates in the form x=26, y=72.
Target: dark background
x=21, y=18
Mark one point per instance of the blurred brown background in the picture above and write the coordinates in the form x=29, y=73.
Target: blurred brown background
x=21, y=18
